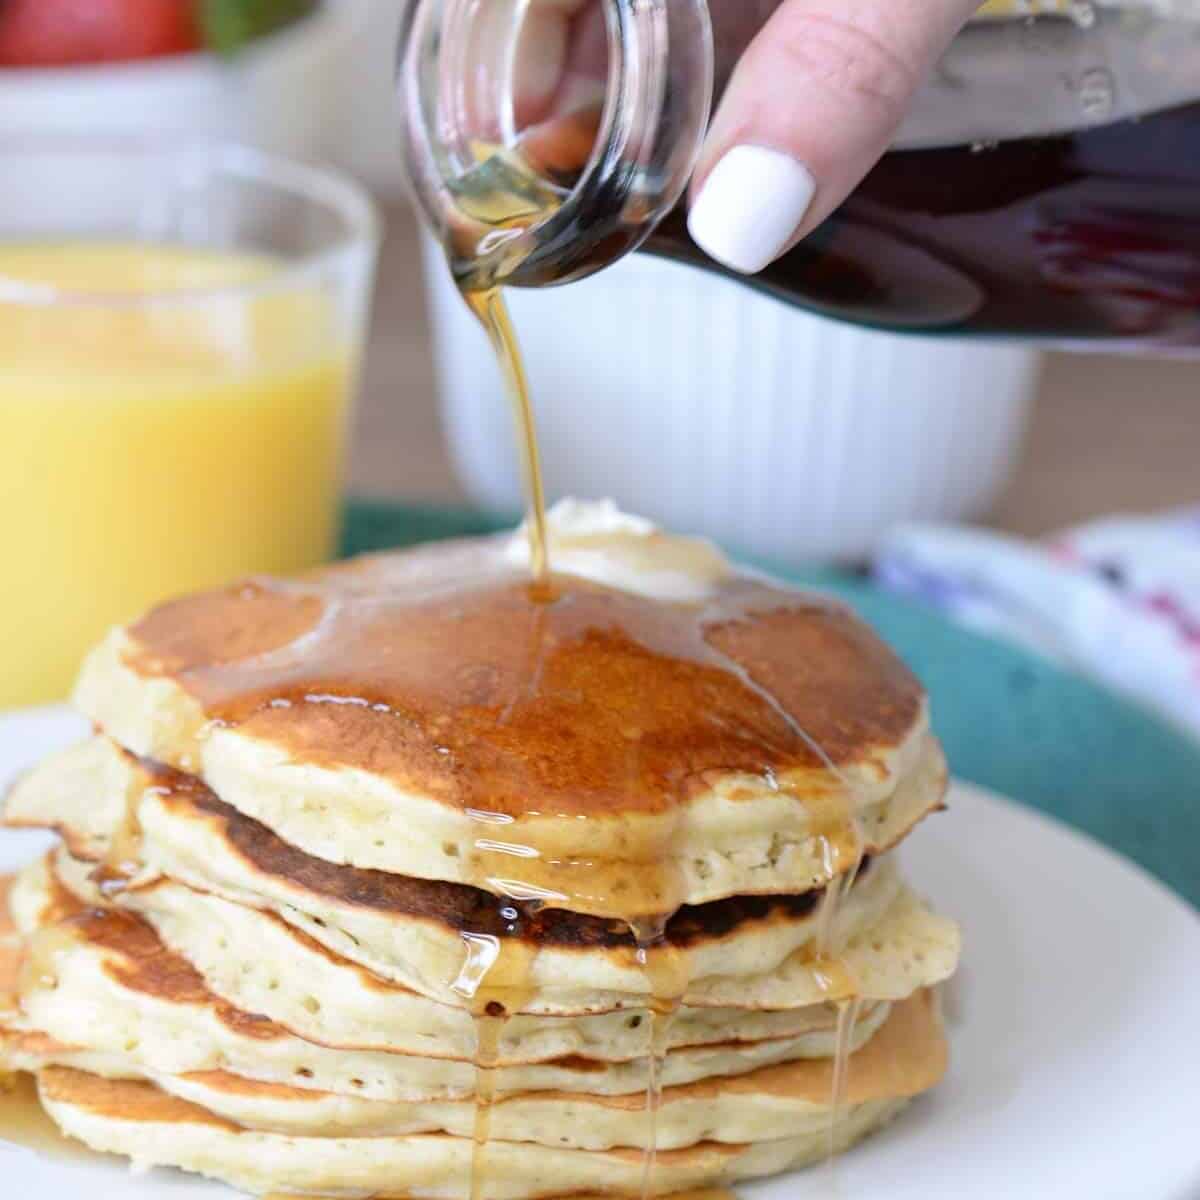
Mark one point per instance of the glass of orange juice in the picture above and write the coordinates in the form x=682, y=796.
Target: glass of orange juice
x=180, y=333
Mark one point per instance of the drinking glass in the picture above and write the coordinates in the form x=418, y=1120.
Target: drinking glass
x=180, y=334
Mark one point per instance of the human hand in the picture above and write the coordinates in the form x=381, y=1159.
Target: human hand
x=816, y=95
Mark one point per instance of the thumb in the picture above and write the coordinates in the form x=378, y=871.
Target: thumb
x=813, y=104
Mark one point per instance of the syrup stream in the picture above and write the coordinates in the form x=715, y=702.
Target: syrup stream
x=491, y=310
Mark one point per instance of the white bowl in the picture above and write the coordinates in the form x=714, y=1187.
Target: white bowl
x=716, y=410
x=282, y=94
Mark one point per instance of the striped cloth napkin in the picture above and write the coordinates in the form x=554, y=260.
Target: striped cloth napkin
x=1117, y=599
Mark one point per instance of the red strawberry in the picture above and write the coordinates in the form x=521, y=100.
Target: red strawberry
x=53, y=33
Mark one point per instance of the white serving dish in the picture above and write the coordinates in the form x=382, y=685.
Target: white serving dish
x=716, y=410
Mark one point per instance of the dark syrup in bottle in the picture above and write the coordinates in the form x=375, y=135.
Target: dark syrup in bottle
x=1090, y=235
x=1086, y=234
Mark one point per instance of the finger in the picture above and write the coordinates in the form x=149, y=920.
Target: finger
x=561, y=100
x=556, y=53
x=585, y=80
x=813, y=104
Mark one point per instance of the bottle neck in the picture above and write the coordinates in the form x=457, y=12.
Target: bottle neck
x=547, y=200
x=561, y=196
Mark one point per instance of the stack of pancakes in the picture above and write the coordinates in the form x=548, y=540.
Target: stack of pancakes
x=402, y=879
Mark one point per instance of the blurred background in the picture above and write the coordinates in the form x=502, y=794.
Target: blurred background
x=699, y=403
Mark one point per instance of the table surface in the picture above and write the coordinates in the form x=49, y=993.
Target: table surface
x=1108, y=434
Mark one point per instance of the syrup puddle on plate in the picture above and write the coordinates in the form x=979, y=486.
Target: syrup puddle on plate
x=24, y=1123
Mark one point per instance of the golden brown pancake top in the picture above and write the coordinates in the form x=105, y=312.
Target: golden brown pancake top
x=442, y=670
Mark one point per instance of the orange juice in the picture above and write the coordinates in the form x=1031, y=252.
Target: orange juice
x=152, y=446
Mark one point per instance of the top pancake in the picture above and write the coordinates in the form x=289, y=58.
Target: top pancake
x=434, y=686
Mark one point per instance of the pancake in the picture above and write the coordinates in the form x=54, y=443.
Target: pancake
x=905, y=1058
x=332, y=1001
x=623, y=754
x=83, y=793
x=102, y=981
x=153, y=1128
x=90, y=789
x=731, y=953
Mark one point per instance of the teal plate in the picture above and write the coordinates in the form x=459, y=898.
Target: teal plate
x=1009, y=720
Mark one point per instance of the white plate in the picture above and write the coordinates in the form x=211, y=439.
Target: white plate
x=1075, y=1070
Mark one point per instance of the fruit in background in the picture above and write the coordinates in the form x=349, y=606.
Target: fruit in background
x=56, y=33
x=61, y=33
x=227, y=25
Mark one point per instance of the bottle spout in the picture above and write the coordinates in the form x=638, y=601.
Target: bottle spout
x=541, y=149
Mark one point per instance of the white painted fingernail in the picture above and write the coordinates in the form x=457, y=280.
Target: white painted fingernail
x=750, y=207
